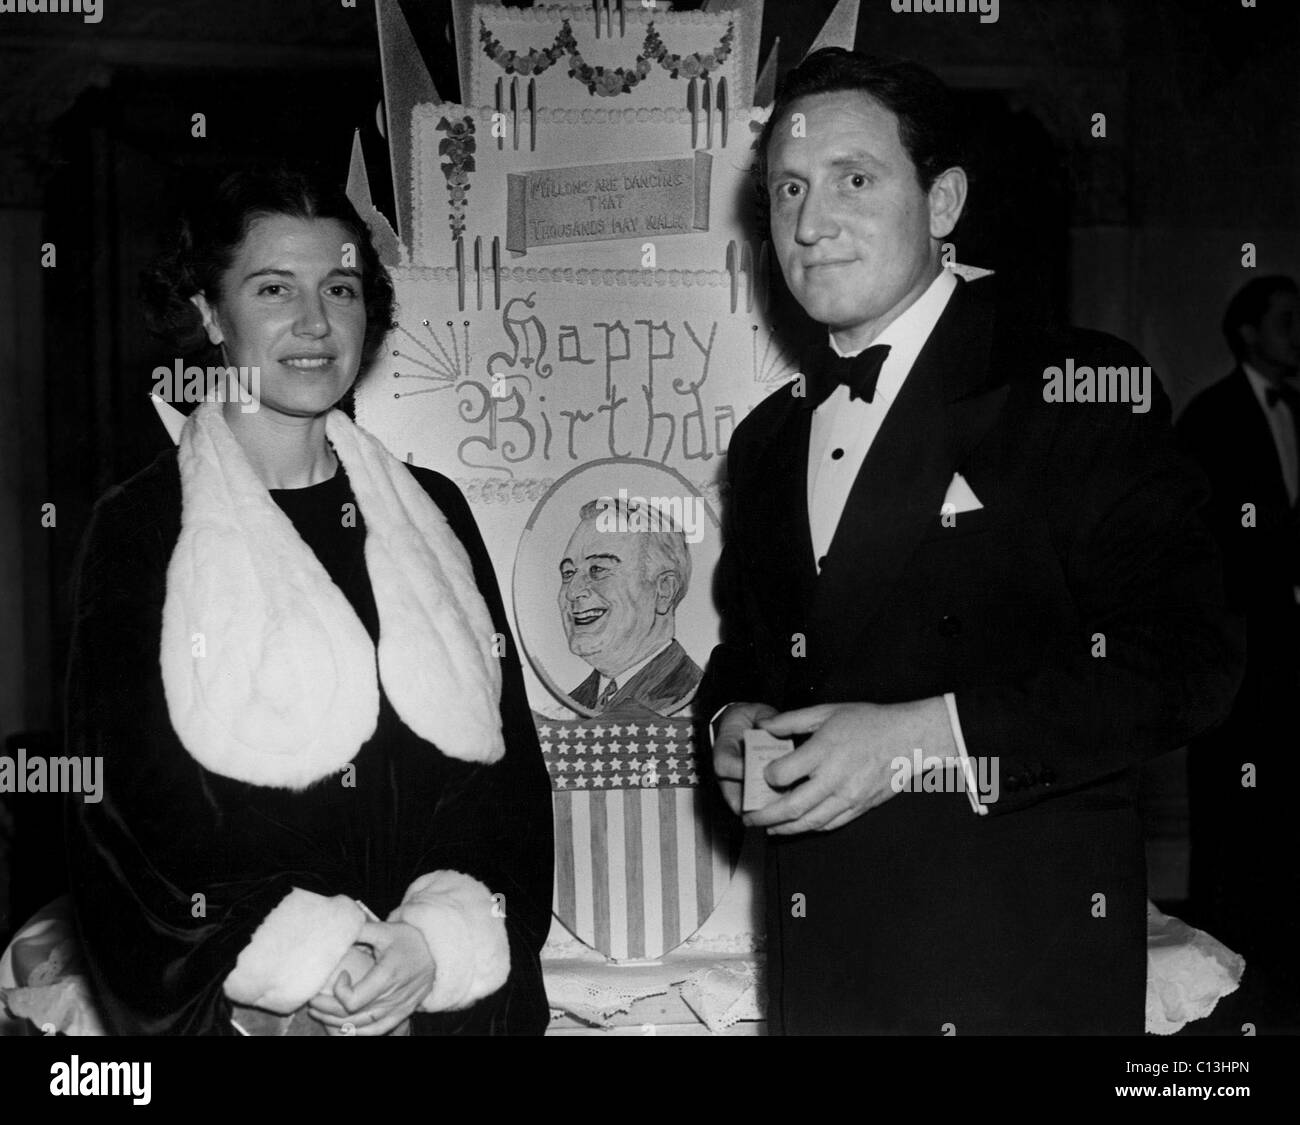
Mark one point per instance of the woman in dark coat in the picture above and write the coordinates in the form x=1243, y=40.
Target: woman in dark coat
x=323, y=793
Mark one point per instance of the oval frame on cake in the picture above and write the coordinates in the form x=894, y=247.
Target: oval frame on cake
x=534, y=584
x=645, y=847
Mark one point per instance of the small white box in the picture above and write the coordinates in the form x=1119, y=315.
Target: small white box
x=760, y=749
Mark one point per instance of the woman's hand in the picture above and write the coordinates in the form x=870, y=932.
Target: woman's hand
x=384, y=997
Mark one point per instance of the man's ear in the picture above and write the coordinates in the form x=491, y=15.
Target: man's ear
x=947, y=198
x=665, y=591
x=210, y=322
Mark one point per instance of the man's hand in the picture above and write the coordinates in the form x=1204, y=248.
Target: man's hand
x=729, y=750
x=386, y=996
x=850, y=761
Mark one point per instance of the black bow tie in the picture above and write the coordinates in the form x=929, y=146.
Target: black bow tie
x=824, y=370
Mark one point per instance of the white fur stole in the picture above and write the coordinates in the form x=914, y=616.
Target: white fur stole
x=270, y=676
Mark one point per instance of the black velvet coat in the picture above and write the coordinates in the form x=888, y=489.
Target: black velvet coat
x=169, y=830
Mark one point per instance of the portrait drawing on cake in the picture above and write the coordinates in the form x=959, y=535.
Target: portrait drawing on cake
x=608, y=589
x=625, y=570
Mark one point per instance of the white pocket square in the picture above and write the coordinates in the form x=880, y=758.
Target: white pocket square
x=959, y=498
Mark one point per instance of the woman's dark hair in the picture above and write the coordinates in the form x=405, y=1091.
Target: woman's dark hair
x=210, y=234
x=1249, y=305
x=929, y=118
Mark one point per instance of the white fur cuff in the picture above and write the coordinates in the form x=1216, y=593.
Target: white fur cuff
x=294, y=951
x=466, y=936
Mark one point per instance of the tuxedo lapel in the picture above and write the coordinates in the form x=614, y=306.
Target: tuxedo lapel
x=944, y=408
x=586, y=692
x=668, y=679
x=777, y=494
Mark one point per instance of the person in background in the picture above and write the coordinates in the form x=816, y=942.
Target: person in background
x=1244, y=775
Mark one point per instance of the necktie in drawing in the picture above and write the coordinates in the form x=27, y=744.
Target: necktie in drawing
x=607, y=696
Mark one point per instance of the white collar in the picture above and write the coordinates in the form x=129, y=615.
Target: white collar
x=907, y=333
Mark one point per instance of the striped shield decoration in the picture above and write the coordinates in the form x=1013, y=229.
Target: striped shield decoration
x=644, y=845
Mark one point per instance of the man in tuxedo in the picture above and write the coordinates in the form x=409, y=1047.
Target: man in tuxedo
x=618, y=599
x=1243, y=776
x=929, y=549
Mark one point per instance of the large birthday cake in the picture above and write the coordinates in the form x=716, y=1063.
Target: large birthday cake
x=582, y=289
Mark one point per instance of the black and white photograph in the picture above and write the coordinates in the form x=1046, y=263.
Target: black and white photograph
x=637, y=519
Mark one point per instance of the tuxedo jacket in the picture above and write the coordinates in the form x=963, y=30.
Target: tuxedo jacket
x=660, y=687
x=919, y=913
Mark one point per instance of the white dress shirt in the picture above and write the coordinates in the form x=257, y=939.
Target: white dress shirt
x=843, y=430
x=1280, y=422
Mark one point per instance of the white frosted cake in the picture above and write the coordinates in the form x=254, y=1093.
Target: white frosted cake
x=582, y=293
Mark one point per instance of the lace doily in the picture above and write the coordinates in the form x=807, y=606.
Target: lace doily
x=592, y=1001
x=722, y=995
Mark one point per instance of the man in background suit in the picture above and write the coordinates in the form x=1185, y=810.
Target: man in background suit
x=933, y=546
x=1243, y=777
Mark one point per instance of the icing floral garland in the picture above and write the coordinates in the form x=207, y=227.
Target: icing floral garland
x=598, y=79
x=458, y=147
x=688, y=66
x=512, y=62
x=604, y=81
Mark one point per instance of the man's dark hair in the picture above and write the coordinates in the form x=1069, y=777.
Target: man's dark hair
x=929, y=117
x=1249, y=305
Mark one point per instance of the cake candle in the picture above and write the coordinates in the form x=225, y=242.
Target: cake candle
x=460, y=274
x=496, y=271
x=500, y=107
x=692, y=106
x=532, y=115
x=731, y=269
x=708, y=111
x=514, y=110
x=478, y=270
